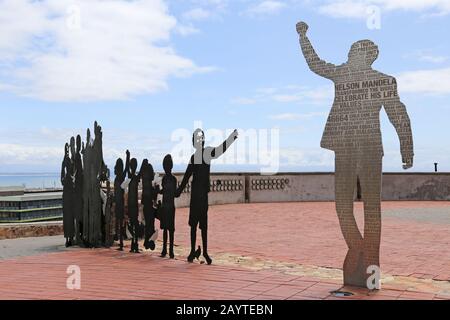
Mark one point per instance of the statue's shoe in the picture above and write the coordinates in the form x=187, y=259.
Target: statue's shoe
x=198, y=252
x=191, y=257
x=207, y=258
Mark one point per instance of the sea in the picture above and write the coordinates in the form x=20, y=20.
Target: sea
x=31, y=180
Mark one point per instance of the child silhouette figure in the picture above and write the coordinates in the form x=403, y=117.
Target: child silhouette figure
x=133, y=204
x=119, y=193
x=149, y=196
x=167, y=218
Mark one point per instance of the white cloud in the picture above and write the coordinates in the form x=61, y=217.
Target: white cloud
x=19, y=154
x=44, y=147
x=97, y=50
x=268, y=7
x=197, y=14
x=429, y=57
x=306, y=157
x=345, y=9
x=186, y=29
x=358, y=8
x=433, y=58
x=297, y=116
x=436, y=81
x=244, y=101
x=289, y=94
x=204, y=9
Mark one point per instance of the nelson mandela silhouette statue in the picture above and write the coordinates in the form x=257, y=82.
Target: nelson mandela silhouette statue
x=199, y=168
x=353, y=132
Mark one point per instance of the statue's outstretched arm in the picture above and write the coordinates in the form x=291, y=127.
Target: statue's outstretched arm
x=318, y=66
x=220, y=150
x=127, y=165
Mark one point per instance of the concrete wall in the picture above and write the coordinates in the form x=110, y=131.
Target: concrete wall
x=284, y=187
x=291, y=187
x=320, y=187
x=416, y=186
x=225, y=189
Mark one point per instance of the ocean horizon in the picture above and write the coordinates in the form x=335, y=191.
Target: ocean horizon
x=30, y=180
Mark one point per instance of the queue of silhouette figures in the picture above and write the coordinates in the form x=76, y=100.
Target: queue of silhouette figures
x=94, y=216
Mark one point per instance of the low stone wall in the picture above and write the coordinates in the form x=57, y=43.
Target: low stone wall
x=225, y=189
x=418, y=186
x=285, y=187
x=320, y=187
x=291, y=187
x=25, y=230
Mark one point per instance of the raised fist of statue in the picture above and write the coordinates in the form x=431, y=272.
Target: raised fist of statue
x=235, y=134
x=302, y=27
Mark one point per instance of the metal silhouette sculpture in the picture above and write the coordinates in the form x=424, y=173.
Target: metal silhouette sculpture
x=167, y=217
x=78, y=192
x=67, y=170
x=353, y=132
x=199, y=168
x=86, y=152
x=108, y=221
x=119, y=200
x=94, y=172
x=133, y=204
x=98, y=171
x=148, y=199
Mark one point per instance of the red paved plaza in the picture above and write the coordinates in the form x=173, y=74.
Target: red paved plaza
x=260, y=251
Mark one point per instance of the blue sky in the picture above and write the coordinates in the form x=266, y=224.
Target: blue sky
x=144, y=69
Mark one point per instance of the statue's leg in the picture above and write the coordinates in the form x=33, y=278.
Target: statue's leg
x=205, y=244
x=193, y=239
x=116, y=230
x=193, y=254
x=204, y=228
x=371, y=177
x=171, y=236
x=345, y=183
x=164, y=250
x=121, y=233
x=77, y=230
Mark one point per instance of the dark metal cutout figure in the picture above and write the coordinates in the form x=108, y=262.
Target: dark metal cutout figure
x=149, y=196
x=68, y=191
x=87, y=177
x=119, y=197
x=199, y=168
x=78, y=192
x=133, y=204
x=167, y=218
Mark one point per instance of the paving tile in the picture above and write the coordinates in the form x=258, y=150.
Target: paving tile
x=307, y=234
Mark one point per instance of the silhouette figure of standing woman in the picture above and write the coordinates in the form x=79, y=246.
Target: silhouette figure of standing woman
x=199, y=168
